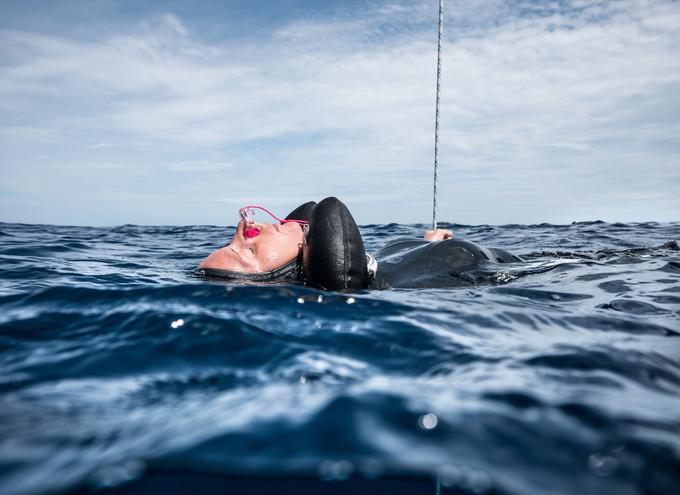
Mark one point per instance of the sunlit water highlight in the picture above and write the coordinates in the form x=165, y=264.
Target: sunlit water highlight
x=560, y=374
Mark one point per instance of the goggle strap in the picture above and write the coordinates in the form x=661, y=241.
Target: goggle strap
x=248, y=215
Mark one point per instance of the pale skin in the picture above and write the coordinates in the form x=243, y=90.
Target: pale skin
x=274, y=246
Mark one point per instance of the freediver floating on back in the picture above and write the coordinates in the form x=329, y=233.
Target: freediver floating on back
x=320, y=245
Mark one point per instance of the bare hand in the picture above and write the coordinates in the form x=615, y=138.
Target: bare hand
x=438, y=235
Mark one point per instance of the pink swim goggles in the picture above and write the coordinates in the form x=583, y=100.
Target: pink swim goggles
x=247, y=213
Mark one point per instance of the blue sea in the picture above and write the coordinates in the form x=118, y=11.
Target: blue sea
x=122, y=373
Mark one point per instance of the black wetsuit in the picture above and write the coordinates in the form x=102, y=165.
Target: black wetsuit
x=334, y=257
x=414, y=263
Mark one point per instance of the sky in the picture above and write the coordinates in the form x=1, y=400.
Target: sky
x=175, y=112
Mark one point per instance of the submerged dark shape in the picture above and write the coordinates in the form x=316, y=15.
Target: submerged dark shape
x=411, y=263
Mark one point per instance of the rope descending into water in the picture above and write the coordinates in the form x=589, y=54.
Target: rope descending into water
x=436, y=113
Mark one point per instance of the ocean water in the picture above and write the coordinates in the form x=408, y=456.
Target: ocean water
x=560, y=374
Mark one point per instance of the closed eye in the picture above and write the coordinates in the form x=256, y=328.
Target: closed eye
x=245, y=255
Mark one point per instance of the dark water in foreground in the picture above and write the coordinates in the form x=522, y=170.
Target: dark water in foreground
x=557, y=375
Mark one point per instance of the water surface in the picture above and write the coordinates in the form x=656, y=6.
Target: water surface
x=560, y=374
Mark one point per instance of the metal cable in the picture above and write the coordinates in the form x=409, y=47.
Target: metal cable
x=436, y=114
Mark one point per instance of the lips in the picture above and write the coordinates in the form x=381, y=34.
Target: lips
x=250, y=232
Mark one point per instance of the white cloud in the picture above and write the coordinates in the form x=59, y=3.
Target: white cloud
x=203, y=166
x=540, y=101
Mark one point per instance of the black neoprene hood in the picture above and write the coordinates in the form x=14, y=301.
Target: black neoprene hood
x=334, y=257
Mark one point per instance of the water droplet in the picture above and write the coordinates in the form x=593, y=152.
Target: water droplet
x=372, y=469
x=177, y=323
x=602, y=465
x=428, y=421
x=478, y=481
x=300, y=300
x=555, y=297
x=335, y=470
x=449, y=475
x=319, y=299
x=351, y=300
x=116, y=474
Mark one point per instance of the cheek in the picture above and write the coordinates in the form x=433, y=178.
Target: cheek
x=293, y=234
x=283, y=251
x=279, y=250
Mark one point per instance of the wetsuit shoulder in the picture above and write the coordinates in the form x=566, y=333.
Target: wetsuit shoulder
x=503, y=256
x=421, y=263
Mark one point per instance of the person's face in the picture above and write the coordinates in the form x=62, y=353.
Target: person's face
x=272, y=247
